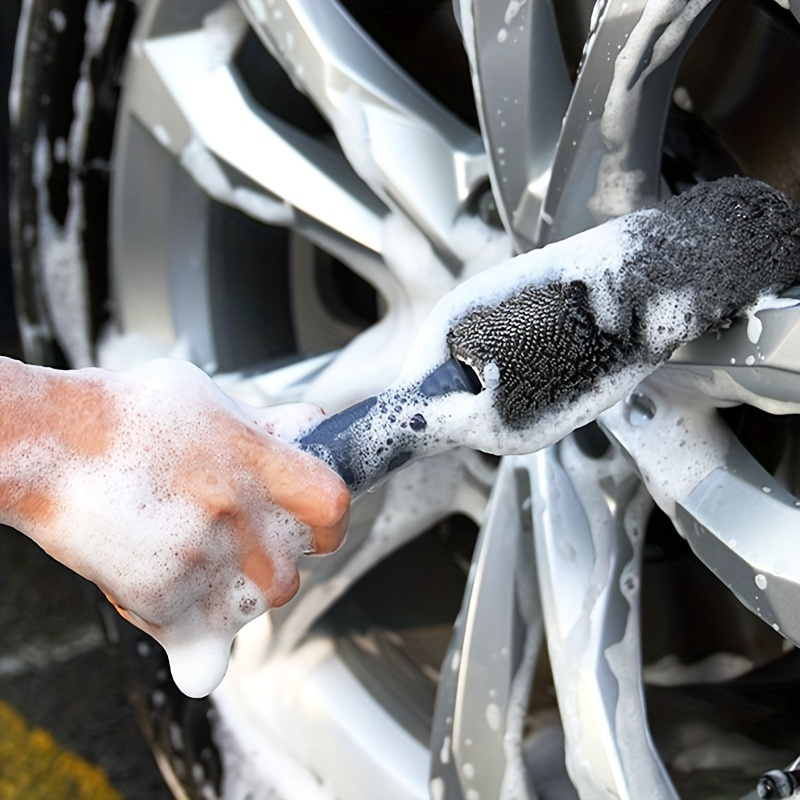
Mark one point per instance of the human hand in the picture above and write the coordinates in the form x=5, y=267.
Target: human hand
x=187, y=509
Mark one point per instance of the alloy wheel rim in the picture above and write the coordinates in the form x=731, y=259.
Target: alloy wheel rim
x=183, y=99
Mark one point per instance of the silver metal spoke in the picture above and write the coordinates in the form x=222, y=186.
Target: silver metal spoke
x=608, y=158
x=187, y=124
x=734, y=514
x=589, y=524
x=183, y=90
x=756, y=561
x=486, y=678
x=756, y=361
x=523, y=90
x=376, y=112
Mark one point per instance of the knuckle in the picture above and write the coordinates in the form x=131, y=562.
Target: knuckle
x=333, y=508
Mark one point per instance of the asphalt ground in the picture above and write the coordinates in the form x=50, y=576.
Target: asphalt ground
x=66, y=728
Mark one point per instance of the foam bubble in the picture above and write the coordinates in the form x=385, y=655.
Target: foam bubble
x=197, y=666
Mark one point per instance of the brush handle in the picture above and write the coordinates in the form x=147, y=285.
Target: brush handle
x=372, y=438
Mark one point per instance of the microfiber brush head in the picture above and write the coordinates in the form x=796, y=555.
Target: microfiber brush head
x=544, y=341
x=684, y=267
x=733, y=240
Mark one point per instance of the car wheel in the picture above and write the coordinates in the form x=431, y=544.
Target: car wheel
x=279, y=190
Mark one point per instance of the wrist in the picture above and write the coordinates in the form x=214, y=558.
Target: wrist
x=48, y=418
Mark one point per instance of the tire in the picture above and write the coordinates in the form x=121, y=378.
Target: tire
x=279, y=191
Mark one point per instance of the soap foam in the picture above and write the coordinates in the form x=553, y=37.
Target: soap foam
x=764, y=303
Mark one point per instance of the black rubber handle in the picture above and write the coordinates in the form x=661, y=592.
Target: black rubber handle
x=365, y=442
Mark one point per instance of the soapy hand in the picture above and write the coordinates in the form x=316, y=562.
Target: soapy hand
x=187, y=509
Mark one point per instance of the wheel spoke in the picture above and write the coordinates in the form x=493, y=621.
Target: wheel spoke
x=280, y=385
x=487, y=674
x=377, y=113
x=608, y=158
x=753, y=560
x=589, y=523
x=523, y=88
x=411, y=279
x=733, y=368
x=735, y=515
x=183, y=89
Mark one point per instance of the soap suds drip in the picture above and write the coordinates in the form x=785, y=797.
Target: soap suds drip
x=61, y=259
x=206, y=171
x=661, y=30
x=593, y=624
x=765, y=303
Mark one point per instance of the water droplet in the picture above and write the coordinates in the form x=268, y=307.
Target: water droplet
x=162, y=135
x=444, y=753
x=750, y=360
x=682, y=98
x=418, y=423
x=766, y=490
x=493, y=716
x=641, y=409
x=502, y=35
x=469, y=771
x=761, y=581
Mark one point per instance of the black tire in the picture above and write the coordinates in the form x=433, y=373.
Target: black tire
x=54, y=59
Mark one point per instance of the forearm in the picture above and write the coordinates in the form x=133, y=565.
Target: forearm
x=48, y=418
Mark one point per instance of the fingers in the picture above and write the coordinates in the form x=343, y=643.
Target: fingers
x=328, y=539
x=305, y=487
x=259, y=567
